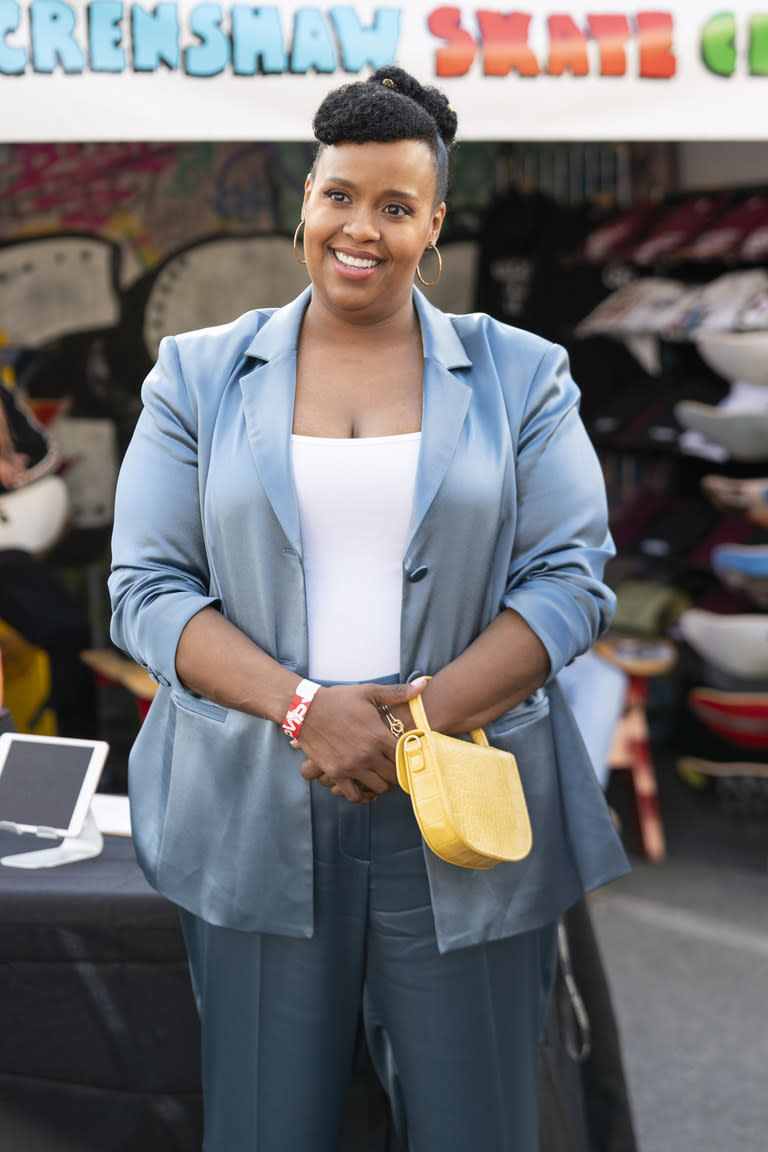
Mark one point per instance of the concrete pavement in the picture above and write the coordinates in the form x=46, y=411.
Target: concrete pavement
x=685, y=946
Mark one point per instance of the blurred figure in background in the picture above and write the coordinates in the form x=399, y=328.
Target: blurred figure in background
x=33, y=598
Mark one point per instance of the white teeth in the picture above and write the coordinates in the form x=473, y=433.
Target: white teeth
x=354, y=261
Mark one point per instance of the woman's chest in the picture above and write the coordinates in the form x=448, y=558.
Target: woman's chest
x=357, y=395
x=463, y=466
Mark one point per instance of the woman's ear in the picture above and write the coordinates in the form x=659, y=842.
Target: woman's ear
x=307, y=187
x=437, y=222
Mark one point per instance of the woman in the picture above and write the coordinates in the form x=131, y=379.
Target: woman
x=356, y=491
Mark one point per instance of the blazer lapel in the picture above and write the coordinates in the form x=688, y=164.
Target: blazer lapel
x=268, y=391
x=446, y=400
x=269, y=386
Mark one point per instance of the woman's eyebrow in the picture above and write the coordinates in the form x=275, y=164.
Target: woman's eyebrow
x=395, y=193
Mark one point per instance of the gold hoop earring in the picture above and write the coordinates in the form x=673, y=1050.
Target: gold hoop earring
x=296, y=242
x=431, y=283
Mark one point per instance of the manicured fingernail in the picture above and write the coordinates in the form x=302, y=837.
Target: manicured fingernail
x=419, y=682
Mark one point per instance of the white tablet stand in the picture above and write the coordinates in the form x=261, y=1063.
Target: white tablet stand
x=47, y=784
x=88, y=844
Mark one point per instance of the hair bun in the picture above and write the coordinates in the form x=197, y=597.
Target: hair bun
x=430, y=99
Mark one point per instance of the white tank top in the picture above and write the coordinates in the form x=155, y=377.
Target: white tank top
x=355, y=499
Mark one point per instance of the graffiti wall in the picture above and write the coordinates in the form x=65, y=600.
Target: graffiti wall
x=106, y=247
x=150, y=199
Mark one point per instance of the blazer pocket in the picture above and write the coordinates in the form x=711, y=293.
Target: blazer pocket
x=526, y=732
x=199, y=706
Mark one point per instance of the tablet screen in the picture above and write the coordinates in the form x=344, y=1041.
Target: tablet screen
x=38, y=787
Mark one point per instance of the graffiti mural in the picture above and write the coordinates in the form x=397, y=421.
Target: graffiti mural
x=212, y=282
x=103, y=243
x=150, y=199
x=107, y=247
x=53, y=286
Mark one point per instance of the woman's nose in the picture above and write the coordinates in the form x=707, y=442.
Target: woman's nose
x=361, y=225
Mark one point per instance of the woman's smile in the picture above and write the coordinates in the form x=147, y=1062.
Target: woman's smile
x=355, y=265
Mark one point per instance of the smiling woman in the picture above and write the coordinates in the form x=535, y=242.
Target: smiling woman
x=323, y=505
x=369, y=215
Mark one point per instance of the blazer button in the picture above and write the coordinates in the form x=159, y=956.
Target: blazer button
x=417, y=574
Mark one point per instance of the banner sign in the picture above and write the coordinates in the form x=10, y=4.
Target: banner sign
x=191, y=70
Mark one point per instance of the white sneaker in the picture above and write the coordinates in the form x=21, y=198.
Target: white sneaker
x=743, y=435
x=735, y=355
x=737, y=644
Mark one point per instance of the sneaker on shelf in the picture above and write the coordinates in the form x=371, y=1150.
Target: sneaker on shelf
x=733, y=492
x=735, y=355
x=752, y=586
x=740, y=717
x=740, y=434
x=695, y=764
x=737, y=644
x=741, y=560
x=727, y=234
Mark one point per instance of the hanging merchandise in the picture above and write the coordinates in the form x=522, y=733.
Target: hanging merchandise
x=678, y=227
x=727, y=234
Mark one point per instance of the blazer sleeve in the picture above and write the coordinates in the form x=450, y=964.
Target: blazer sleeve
x=562, y=541
x=159, y=575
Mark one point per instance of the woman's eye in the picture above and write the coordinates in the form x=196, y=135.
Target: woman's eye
x=336, y=196
x=396, y=210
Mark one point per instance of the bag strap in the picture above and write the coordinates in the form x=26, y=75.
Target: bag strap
x=420, y=720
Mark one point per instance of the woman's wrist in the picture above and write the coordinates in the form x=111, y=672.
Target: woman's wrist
x=401, y=712
x=304, y=694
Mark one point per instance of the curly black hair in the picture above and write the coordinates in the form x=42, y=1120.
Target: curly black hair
x=390, y=105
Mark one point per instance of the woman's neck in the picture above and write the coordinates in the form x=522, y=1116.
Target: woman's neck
x=323, y=324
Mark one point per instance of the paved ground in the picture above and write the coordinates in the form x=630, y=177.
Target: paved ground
x=685, y=945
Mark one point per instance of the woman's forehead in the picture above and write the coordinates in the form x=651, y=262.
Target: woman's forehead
x=377, y=160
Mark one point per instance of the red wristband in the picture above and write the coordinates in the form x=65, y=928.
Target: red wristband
x=294, y=717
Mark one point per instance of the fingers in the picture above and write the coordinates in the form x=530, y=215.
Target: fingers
x=392, y=694
x=310, y=770
x=367, y=782
x=348, y=747
x=348, y=789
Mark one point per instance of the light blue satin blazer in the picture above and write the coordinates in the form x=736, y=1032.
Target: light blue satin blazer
x=509, y=510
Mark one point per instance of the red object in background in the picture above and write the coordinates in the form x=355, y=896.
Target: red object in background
x=610, y=239
x=726, y=236
x=46, y=410
x=678, y=228
x=741, y=717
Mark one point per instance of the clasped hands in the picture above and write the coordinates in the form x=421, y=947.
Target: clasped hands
x=348, y=745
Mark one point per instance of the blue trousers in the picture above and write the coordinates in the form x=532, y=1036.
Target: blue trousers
x=455, y=1037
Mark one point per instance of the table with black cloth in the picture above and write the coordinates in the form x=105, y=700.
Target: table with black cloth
x=99, y=1038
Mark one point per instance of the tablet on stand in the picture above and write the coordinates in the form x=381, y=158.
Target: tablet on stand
x=46, y=787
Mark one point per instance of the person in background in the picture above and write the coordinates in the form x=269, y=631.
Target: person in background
x=323, y=504
x=34, y=600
